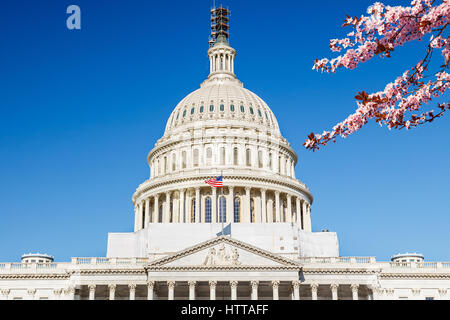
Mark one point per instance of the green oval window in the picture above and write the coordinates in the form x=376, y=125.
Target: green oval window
x=232, y=107
x=192, y=110
x=211, y=107
x=201, y=109
x=222, y=107
x=184, y=113
x=242, y=109
x=251, y=110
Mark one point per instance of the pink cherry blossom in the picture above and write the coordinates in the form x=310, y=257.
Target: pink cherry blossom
x=379, y=33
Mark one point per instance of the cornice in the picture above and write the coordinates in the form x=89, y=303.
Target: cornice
x=151, y=184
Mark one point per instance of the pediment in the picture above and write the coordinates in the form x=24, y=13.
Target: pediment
x=224, y=252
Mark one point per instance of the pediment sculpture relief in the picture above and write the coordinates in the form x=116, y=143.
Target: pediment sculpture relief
x=222, y=257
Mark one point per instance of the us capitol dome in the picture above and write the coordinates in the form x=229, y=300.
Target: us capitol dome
x=222, y=129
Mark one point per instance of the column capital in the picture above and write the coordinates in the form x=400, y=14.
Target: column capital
x=70, y=289
x=233, y=283
x=314, y=286
x=150, y=283
x=415, y=292
x=442, y=292
x=275, y=283
x=57, y=292
x=254, y=283
x=296, y=284
x=354, y=287
x=171, y=284
x=288, y=195
x=334, y=286
x=247, y=189
x=213, y=283
x=5, y=292
x=230, y=188
x=192, y=283
x=263, y=189
x=132, y=286
x=112, y=286
x=31, y=291
x=277, y=193
x=91, y=287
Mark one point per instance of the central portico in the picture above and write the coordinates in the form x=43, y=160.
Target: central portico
x=225, y=268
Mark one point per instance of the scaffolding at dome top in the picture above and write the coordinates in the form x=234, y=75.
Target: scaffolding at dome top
x=220, y=24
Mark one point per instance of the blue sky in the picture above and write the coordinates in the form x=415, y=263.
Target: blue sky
x=79, y=111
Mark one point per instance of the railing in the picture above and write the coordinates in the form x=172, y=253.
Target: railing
x=109, y=261
x=324, y=260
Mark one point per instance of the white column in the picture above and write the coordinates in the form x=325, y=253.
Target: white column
x=69, y=293
x=230, y=205
x=31, y=293
x=289, y=208
x=192, y=289
x=182, y=214
x=299, y=211
x=247, y=207
x=156, y=209
x=132, y=287
x=166, y=217
x=375, y=292
x=56, y=293
x=275, y=285
x=354, y=288
x=112, y=291
x=334, y=291
x=147, y=212
x=141, y=215
x=254, y=285
x=233, y=285
x=214, y=211
x=91, y=291
x=314, y=288
x=304, y=213
x=5, y=294
x=277, y=206
x=150, y=290
x=263, y=206
x=198, y=201
x=212, y=290
x=171, y=289
x=308, y=217
x=296, y=287
x=136, y=218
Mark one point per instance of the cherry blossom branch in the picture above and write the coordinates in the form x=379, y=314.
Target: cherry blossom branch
x=378, y=34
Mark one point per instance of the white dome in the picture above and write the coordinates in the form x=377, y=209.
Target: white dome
x=222, y=101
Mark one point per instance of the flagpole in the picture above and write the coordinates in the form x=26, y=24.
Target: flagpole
x=221, y=219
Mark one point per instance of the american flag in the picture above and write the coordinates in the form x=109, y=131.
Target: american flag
x=216, y=182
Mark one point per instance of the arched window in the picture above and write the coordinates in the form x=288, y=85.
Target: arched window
x=286, y=168
x=252, y=210
x=222, y=155
x=242, y=109
x=208, y=155
x=237, y=209
x=143, y=218
x=208, y=209
x=251, y=111
x=184, y=113
x=174, y=162
x=222, y=107
x=171, y=211
x=160, y=213
x=283, y=211
x=232, y=107
x=195, y=157
x=222, y=209
x=270, y=161
x=274, y=211
x=235, y=156
x=260, y=159
x=165, y=165
x=211, y=108
x=201, y=109
x=193, y=210
x=279, y=164
x=183, y=159
x=192, y=111
x=248, y=157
